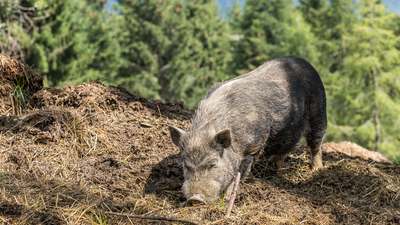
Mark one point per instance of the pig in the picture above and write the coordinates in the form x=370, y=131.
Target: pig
x=265, y=111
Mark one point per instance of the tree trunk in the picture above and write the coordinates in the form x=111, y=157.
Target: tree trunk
x=376, y=115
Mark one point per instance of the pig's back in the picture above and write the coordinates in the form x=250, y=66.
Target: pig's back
x=269, y=102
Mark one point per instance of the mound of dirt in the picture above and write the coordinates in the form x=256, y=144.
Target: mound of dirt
x=14, y=72
x=95, y=97
x=354, y=150
x=86, y=150
x=40, y=125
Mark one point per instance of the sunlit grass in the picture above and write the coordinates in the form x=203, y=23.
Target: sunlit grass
x=19, y=94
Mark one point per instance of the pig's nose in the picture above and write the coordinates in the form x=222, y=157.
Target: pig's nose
x=196, y=199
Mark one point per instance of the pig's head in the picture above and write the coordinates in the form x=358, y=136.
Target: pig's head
x=208, y=164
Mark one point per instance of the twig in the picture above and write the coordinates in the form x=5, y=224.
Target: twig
x=26, y=8
x=159, y=110
x=242, y=182
x=63, y=217
x=306, y=217
x=153, y=217
x=12, y=104
x=233, y=195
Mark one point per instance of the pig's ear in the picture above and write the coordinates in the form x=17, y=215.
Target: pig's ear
x=176, y=134
x=223, y=138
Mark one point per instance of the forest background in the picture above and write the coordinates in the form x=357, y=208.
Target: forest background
x=177, y=49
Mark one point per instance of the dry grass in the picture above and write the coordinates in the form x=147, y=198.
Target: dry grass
x=14, y=74
x=74, y=159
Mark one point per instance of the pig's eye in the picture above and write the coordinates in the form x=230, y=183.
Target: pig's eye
x=187, y=167
x=213, y=164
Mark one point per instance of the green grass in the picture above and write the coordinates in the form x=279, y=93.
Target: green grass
x=395, y=160
x=222, y=199
x=100, y=219
x=19, y=93
x=244, y=209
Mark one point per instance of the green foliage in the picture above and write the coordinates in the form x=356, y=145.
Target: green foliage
x=19, y=93
x=330, y=21
x=99, y=219
x=366, y=96
x=176, y=49
x=16, y=27
x=234, y=14
x=263, y=26
x=67, y=41
x=396, y=160
x=270, y=30
x=222, y=202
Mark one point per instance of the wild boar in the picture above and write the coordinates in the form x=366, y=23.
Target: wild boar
x=266, y=111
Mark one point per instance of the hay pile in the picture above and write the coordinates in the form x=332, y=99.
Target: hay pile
x=14, y=72
x=354, y=150
x=82, y=151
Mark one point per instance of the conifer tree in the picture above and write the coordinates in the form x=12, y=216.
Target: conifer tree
x=99, y=50
x=271, y=29
x=366, y=100
x=72, y=41
x=330, y=22
x=316, y=13
x=172, y=50
x=54, y=36
x=234, y=14
x=213, y=55
x=17, y=27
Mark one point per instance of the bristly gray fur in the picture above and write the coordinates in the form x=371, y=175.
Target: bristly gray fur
x=267, y=111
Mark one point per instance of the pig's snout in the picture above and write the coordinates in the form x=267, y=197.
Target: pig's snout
x=196, y=199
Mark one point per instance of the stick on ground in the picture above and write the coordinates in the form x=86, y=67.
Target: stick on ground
x=233, y=195
x=153, y=217
x=13, y=105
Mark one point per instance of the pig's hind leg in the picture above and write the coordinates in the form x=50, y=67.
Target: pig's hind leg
x=314, y=142
x=317, y=127
x=277, y=160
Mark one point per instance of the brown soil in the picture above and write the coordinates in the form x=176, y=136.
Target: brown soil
x=14, y=72
x=90, y=149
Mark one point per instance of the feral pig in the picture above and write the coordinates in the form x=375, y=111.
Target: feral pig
x=266, y=111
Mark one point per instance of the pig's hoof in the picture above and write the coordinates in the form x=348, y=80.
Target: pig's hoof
x=315, y=166
x=277, y=160
x=249, y=178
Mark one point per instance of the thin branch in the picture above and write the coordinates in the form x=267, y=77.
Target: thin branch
x=233, y=195
x=165, y=67
x=132, y=64
x=12, y=104
x=29, y=20
x=48, y=24
x=59, y=50
x=47, y=15
x=153, y=217
x=26, y=8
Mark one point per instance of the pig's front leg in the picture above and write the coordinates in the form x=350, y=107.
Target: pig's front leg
x=245, y=172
